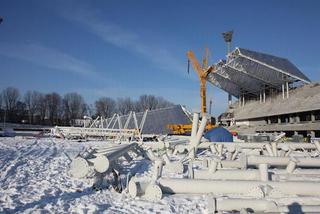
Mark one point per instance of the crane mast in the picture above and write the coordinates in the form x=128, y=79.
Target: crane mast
x=202, y=72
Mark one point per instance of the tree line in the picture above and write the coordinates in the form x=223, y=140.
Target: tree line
x=35, y=107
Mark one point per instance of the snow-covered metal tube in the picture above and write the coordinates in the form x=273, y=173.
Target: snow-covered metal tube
x=100, y=162
x=247, y=188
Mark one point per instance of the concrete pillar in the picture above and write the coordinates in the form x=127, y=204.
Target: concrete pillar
x=312, y=133
x=240, y=100
x=243, y=100
x=229, y=99
x=313, y=117
x=283, y=91
x=260, y=94
x=295, y=133
x=287, y=86
x=291, y=119
x=269, y=120
x=297, y=119
x=264, y=95
x=279, y=120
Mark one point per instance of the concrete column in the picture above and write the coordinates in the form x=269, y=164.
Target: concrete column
x=269, y=121
x=287, y=120
x=279, y=120
x=283, y=91
x=264, y=95
x=243, y=100
x=260, y=97
x=240, y=100
x=291, y=119
x=229, y=99
x=297, y=119
x=312, y=133
x=295, y=133
x=313, y=117
x=287, y=86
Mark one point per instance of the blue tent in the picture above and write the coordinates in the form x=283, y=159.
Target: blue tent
x=219, y=134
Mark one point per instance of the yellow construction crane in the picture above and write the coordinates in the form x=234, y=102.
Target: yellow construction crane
x=202, y=72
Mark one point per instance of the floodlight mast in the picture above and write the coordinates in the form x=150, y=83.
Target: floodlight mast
x=228, y=38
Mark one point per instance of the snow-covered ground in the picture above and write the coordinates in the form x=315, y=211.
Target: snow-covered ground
x=34, y=179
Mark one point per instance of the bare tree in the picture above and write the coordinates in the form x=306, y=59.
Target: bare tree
x=147, y=102
x=32, y=100
x=53, y=101
x=10, y=98
x=105, y=107
x=41, y=107
x=125, y=105
x=163, y=103
x=74, y=106
x=90, y=110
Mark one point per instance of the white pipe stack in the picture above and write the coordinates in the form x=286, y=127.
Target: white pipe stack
x=99, y=160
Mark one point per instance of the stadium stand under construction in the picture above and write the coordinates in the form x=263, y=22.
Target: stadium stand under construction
x=273, y=95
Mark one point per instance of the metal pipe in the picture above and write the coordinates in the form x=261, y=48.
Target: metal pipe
x=256, y=205
x=199, y=186
x=195, y=122
x=291, y=166
x=252, y=160
x=81, y=167
x=227, y=174
x=195, y=142
x=317, y=144
x=259, y=205
x=283, y=161
x=263, y=169
x=137, y=188
x=283, y=146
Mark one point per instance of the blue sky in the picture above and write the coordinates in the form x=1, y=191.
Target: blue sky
x=128, y=48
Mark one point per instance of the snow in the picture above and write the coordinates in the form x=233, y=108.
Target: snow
x=34, y=179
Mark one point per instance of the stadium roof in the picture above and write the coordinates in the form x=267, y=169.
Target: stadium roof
x=249, y=72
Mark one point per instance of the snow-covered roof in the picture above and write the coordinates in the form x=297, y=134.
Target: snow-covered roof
x=249, y=72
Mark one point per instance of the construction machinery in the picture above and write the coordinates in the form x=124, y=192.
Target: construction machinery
x=202, y=72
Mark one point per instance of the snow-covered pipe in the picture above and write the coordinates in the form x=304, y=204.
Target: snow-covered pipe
x=269, y=149
x=317, y=144
x=284, y=146
x=195, y=141
x=157, y=170
x=252, y=160
x=256, y=205
x=105, y=150
x=227, y=174
x=172, y=166
x=151, y=155
x=291, y=165
x=83, y=166
x=283, y=161
x=259, y=205
x=274, y=147
x=250, y=188
x=137, y=188
x=195, y=122
x=263, y=169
